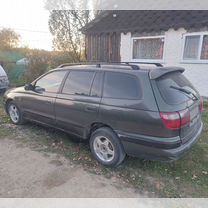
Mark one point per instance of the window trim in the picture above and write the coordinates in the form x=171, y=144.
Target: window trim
x=148, y=60
x=198, y=60
x=101, y=84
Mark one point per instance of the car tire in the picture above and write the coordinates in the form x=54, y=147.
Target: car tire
x=106, y=147
x=15, y=113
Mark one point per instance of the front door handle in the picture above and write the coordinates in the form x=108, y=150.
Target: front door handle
x=91, y=109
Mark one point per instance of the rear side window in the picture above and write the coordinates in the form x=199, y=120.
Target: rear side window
x=78, y=83
x=170, y=95
x=121, y=86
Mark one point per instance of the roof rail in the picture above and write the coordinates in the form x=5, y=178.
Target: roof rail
x=134, y=67
x=127, y=62
x=98, y=65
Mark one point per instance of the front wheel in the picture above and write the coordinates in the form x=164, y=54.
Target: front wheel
x=106, y=147
x=14, y=113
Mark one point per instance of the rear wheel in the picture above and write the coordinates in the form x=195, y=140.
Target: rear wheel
x=106, y=147
x=14, y=113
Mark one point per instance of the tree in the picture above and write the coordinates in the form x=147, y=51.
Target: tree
x=65, y=27
x=8, y=39
x=67, y=17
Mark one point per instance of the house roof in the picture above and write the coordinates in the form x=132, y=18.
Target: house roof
x=146, y=21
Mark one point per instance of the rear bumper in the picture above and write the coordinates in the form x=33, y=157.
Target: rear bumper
x=167, y=149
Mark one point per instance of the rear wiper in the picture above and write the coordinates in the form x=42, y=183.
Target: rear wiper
x=185, y=91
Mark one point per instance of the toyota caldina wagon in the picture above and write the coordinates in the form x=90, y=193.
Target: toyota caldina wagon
x=148, y=112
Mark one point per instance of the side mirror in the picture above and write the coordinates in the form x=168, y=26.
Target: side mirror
x=39, y=89
x=29, y=87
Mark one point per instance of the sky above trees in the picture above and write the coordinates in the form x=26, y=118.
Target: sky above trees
x=30, y=20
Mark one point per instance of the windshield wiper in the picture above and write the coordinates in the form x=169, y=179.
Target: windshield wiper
x=187, y=92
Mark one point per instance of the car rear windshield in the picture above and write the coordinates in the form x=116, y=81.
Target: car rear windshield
x=170, y=86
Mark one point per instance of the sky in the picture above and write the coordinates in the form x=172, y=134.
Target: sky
x=29, y=19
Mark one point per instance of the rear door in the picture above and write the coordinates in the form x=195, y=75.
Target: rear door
x=77, y=106
x=178, y=94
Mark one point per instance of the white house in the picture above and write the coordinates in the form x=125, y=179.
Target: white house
x=172, y=38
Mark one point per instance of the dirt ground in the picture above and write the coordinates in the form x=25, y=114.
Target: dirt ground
x=28, y=173
x=42, y=162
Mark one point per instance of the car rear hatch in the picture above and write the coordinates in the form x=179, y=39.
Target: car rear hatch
x=178, y=101
x=189, y=130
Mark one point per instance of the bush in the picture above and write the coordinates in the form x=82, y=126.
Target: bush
x=38, y=64
x=58, y=58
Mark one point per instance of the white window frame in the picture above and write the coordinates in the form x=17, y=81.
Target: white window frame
x=198, y=60
x=148, y=60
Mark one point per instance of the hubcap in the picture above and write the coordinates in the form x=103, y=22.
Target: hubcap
x=103, y=148
x=14, y=113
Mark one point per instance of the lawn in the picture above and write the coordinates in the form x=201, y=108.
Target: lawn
x=187, y=177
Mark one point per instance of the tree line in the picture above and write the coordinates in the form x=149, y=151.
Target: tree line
x=68, y=42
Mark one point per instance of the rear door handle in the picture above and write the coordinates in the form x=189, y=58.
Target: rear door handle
x=49, y=102
x=91, y=109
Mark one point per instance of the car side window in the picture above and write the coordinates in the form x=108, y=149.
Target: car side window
x=120, y=85
x=50, y=82
x=96, y=85
x=78, y=83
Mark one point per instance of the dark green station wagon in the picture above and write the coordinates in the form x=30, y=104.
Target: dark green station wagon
x=125, y=108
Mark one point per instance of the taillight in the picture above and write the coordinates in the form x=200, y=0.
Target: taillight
x=176, y=120
x=201, y=106
x=171, y=120
x=185, y=117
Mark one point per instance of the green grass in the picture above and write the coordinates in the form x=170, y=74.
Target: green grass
x=187, y=177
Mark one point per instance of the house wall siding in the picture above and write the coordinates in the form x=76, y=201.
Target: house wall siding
x=196, y=73
x=103, y=47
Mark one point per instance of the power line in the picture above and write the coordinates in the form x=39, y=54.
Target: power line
x=36, y=40
x=27, y=30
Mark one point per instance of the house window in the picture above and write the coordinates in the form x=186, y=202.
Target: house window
x=148, y=48
x=204, y=51
x=191, y=47
x=195, y=47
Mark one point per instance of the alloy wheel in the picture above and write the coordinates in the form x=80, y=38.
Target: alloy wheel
x=103, y=148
